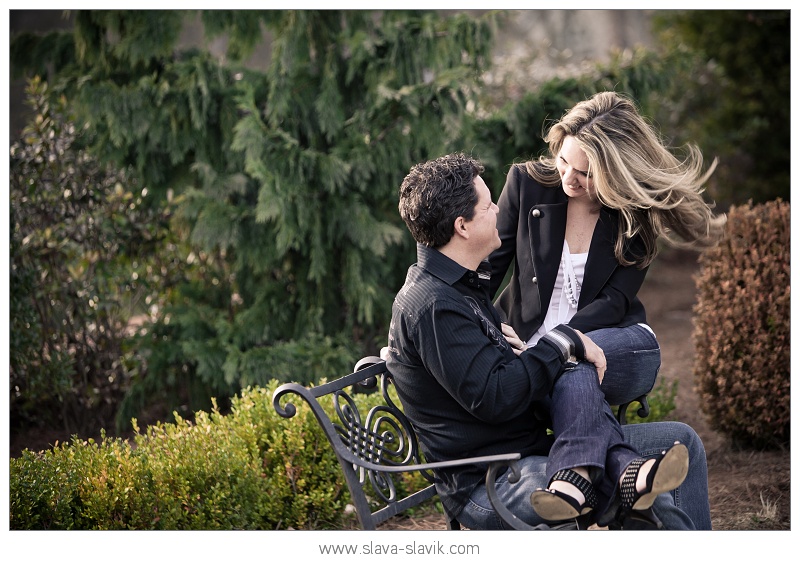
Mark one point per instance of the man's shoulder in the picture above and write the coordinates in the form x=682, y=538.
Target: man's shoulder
x=422, y=290
x=421, y=285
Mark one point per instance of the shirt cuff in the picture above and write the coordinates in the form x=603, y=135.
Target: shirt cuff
x=568, y=343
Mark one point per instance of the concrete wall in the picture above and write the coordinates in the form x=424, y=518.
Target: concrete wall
x=568, y=35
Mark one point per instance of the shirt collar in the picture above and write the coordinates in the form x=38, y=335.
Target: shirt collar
x=439, y=265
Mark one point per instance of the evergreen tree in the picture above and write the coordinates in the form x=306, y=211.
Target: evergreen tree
x=285, y=182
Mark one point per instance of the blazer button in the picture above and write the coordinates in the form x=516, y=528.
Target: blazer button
x=536, y=213
x=534, y=280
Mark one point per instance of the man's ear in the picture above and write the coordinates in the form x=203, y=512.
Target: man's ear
x=460, y=227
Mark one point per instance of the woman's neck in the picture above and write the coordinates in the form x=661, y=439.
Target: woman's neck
x=582, y=214
x=584, y=205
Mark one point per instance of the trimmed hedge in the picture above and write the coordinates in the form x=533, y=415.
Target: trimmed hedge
x=250, y=469
x=742, y=327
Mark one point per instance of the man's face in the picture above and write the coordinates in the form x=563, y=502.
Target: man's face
x=483, y=225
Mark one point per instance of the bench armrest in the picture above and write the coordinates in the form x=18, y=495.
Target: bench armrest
x=289, y=411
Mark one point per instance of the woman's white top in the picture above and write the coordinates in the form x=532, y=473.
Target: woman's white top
x=566, y=292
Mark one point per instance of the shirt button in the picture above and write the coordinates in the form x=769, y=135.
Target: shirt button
x=536, y=213
x=534, y=280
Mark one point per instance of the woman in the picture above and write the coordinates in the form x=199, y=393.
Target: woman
x=582, y=226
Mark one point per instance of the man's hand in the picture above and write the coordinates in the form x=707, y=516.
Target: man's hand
x=517, y=345
x=594, y=355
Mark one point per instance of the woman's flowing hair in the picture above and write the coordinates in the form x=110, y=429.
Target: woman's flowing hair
x=656, y=193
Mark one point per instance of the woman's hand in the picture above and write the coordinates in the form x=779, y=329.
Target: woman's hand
x=594, y=355
x=517, y=345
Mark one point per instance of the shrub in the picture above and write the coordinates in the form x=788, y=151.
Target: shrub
x=87, y=254
x=742, y=327
x=661, y=401
x=248, y=470
x=251, y=469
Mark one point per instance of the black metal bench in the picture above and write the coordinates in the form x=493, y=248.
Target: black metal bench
x=375, y=448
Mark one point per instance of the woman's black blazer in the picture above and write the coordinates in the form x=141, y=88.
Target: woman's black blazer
x=532, y=223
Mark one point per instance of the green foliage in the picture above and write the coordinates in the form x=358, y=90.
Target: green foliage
x=33, y=54
x=82, y=263
x=104, y=37
x=332, y=140
x=284, y=182
x=735, y=103
x=661, y=401
x=742, y=327
x=251, y=469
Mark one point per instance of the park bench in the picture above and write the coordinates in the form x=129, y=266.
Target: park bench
x=375, y=448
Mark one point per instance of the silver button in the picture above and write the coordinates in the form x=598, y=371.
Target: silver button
x=536, y=213
x=534, y=280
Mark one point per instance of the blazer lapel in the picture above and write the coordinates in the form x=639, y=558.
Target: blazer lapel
x=601, y=261
x=547, y=225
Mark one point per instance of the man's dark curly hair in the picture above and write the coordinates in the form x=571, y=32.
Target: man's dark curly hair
x=435, y=193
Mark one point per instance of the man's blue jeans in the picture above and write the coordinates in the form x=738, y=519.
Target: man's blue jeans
x=685, y=508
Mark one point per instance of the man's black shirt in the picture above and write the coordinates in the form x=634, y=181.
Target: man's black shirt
x=463, y=388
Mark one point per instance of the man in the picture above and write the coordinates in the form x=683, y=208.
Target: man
x=469, y=393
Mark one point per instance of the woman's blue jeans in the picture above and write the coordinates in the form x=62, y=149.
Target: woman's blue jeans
x=633, y=358
x=586, y=432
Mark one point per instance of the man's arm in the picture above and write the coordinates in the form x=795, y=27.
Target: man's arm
x=476, y=365
x=591, y=351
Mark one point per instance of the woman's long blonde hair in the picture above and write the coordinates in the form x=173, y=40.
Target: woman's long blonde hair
x=656, y=194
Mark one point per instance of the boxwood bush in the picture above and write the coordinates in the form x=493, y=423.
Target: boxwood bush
x=742, y=321
x=250, y=469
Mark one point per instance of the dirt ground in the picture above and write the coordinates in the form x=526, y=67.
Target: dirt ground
x=748, y=490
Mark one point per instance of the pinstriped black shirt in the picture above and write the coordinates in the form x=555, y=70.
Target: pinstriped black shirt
x=463, y=388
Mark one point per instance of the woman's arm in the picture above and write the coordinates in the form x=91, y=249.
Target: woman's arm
x=507, y=220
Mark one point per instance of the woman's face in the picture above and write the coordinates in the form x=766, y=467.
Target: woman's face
x=573, y=166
